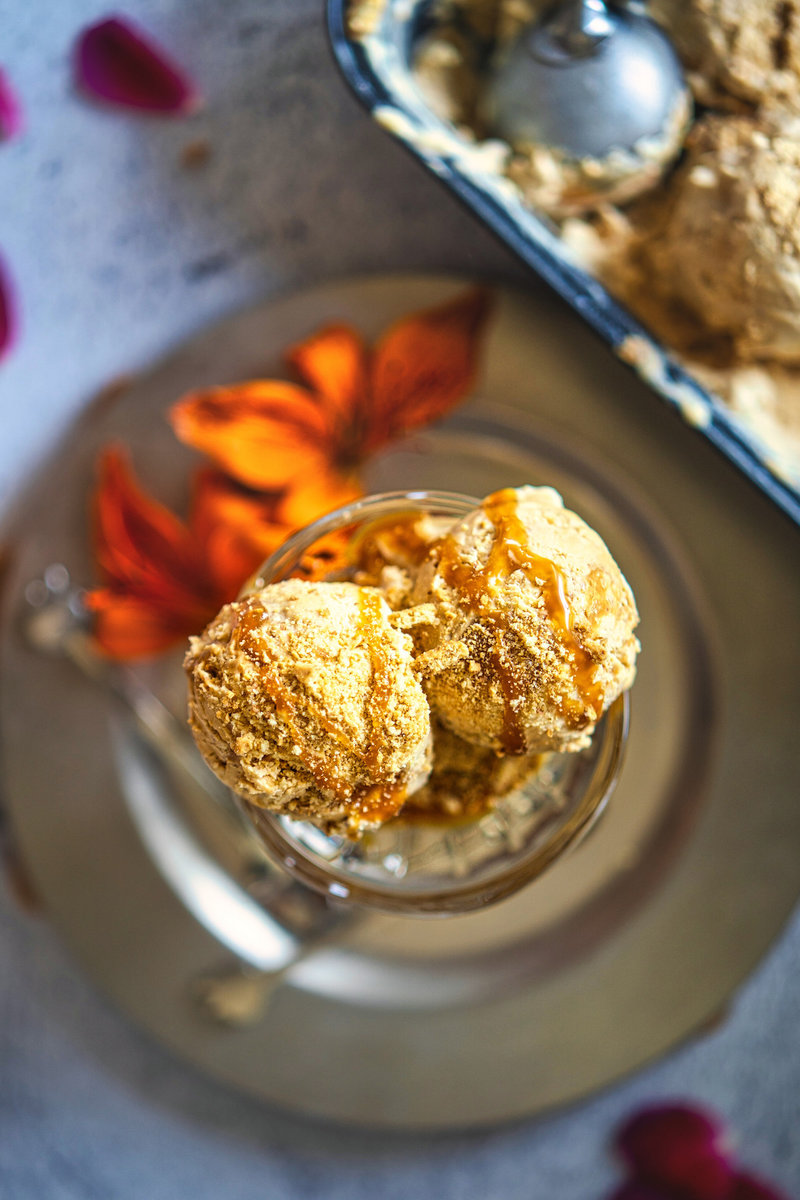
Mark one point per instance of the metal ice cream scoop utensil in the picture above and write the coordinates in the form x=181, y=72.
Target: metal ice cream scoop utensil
x=588, y=78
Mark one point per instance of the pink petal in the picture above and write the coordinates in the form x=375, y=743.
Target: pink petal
x=10, y=110
x=750, y=1187
x=8, y=314
x=678, y=1148
x=116, y=62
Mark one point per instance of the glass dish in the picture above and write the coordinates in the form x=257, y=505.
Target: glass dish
x=440, y=865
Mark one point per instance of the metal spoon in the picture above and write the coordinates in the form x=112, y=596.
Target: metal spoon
x=588, y=78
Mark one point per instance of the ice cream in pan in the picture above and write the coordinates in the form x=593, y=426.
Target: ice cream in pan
x=708, y=255
x=511, y=629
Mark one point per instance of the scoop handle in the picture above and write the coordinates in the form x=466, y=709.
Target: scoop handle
x=268, y=926
x=573, y=30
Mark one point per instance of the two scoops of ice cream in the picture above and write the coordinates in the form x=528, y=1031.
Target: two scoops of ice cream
x=506, y=633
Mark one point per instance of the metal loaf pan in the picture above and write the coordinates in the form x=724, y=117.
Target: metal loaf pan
x=377, y=67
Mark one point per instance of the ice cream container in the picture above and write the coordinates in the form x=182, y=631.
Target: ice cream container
x=377, y=66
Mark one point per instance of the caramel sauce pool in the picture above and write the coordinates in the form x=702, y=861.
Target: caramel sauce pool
x=511, y=551
x=394, y=538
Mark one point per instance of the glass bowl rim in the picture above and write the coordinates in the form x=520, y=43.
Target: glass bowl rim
x=289, y=551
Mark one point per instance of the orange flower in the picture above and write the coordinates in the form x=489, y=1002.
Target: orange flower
x=288, y=454
x=310, y=440
x=165, y=579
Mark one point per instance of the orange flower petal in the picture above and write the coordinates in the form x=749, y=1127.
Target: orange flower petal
x=333, y=362
x=424, y=364
x=317, y=495
x=265, y=433
x=237, y=529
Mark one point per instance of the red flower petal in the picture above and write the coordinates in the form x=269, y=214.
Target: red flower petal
x=678, y=1148
x=10, y=110
x=125, y=627
x=118, y=63
x=143, y=550
x=8, y=314
x=750, y=1187
x=634, y=1189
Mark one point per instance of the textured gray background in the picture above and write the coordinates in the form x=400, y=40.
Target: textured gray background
x=118, y=253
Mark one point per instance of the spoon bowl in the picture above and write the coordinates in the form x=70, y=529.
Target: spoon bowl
x=588, y=80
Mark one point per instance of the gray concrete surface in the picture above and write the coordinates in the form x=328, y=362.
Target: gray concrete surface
x=118, y=253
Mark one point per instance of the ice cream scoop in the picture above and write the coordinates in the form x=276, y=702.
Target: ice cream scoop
x=303, y=699
x=533, y=636
x=737, y=55
x=586, y=79
x=728, y=249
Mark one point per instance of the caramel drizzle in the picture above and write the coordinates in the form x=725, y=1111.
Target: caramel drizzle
x=381, y=800
x=369, y=615
x=511, y=551
x=371, y=801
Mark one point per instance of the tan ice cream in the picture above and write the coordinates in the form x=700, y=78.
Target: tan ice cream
x=303, y=699
x=719, y=285
x=729, y=247
x=534, y=632
x=737, y=53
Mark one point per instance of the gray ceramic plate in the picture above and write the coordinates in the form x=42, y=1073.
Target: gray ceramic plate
x=628, y=944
